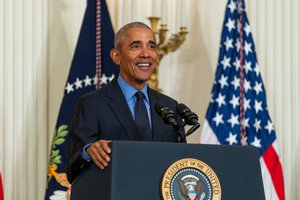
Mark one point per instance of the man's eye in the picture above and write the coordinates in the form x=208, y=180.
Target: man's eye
x=135, y=46
x=152, y=46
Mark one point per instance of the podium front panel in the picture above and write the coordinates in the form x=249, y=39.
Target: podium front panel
x=136, y=170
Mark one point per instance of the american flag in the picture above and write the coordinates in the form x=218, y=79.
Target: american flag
x=238, y=113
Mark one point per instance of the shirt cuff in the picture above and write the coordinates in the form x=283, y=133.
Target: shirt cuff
x=84, y=154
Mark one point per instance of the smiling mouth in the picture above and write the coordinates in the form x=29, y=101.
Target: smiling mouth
x=143, y=64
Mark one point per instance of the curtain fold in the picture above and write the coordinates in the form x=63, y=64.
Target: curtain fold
x=23, y=101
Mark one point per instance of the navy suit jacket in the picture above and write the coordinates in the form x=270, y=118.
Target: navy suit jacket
x=104, y=114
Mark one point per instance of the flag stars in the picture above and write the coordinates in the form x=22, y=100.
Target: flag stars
x=230, y=24
x=247, y=29
x=111, y=77
x=225, y=62
x=69, y=88
x=257, y=87
x=235, y=82
x=238, y=45
x=246, y=104
x=248, y=67
x=218, y=119
x=247, y=85
x=256, y=125
x=232, y=6
x=104, y=79
x=87, y=81
x=256, y=69
x=95, y=79
x=234, y=101
x=269, y=127
x=258, y=106
x=228, y=43
x=223, y=81
x=234, y=120
x=247, y=47
x=220, y=100
x=78, y=83
x=245, y=123
x=232, y=139
x=256, y=142
x=237, y=64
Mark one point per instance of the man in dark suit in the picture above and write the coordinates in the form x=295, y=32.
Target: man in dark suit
x=110, y=113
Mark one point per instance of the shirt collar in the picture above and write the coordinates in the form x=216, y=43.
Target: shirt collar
x=129, y=91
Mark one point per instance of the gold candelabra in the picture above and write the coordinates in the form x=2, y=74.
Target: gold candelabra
x=164, y=46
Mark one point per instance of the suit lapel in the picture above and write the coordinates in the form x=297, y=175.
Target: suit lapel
x=121, y=110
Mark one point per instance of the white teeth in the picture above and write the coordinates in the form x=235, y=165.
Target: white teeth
x=143, y=64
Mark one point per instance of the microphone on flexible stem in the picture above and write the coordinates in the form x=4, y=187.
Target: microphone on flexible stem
x=189, y=117
x=166, y=114
x=169, y=117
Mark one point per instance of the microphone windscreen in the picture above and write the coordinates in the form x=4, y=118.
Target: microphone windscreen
x=189, y=117
x=181, y=108
x=159, y=107
x=166, y=114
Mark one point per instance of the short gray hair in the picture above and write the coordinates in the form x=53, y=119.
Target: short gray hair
x=122, y=31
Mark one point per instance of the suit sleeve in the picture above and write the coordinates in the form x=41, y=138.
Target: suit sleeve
x=83, y=130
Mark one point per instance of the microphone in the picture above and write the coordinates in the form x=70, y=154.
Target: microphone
x=189, y=117
x=166, y=114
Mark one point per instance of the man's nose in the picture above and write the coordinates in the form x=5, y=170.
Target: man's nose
x=145, y=52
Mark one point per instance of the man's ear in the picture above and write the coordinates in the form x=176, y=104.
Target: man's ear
x=115, y=56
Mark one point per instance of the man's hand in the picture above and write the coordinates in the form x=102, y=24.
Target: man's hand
x=99, y=153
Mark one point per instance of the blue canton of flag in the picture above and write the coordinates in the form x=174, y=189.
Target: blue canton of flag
x=81, y=80
x=223, y=121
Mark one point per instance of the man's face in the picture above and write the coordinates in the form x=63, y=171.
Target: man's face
x=137, y=56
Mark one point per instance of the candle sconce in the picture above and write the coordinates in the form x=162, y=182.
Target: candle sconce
x=164, y=46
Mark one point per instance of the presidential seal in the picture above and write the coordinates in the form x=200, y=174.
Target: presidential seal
x=190, y=179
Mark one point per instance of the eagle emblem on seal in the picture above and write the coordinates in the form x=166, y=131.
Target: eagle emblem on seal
x=191, y=187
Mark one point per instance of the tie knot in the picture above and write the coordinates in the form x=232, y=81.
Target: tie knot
x=139, y=95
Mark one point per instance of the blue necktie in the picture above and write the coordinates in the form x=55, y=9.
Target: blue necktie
x=141, y=118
